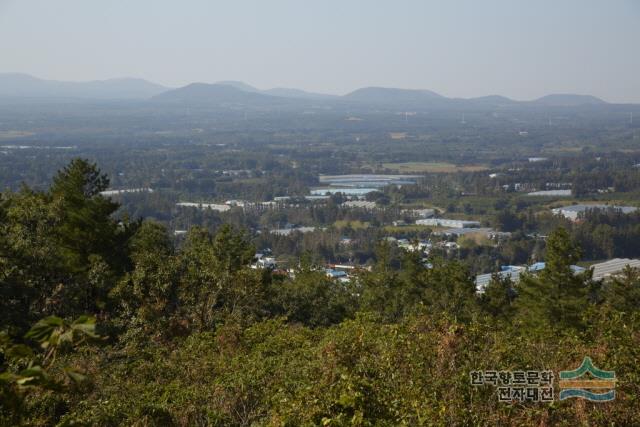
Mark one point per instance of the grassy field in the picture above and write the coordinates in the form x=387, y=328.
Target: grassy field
x=563, y=149
x=411, y=228
x=398, y=135
x=432, y=167
x=479, y=239
x=356, y=225
x=10, y=134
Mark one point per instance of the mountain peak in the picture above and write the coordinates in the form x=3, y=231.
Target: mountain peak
x=405, y=97
x=568, y=100
x=211, y=94
x=238, y=85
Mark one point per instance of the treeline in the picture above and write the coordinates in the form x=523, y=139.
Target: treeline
x=191, y=335
x=586, y=174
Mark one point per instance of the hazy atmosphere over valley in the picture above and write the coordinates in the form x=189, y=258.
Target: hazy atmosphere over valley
x=338, y=213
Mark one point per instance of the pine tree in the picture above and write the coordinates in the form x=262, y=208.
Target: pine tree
x=86, y=225
x=498, y=297
x=623, y=292
x=556, y=297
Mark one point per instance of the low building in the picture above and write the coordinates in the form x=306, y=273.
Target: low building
x=457, y=232
x=550, y=193
x=313, y=198
x=204, y=206
x=413, y=246
x=338, y=275
x=574, y=212
x=239, y=203
x=263, y=261
x=266, y=262
x=613, y=267
x=513, y=272
x=359, y=204
x=368, y=180
x=125, y=190
x=451, y=223
x=353, y=192
x=288, y=231
x=421, y=213
x=482, y=280
x=498, y=235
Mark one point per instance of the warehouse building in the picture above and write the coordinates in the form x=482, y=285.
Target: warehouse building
x=451, y=223
x=573, y=212
x=613, y=267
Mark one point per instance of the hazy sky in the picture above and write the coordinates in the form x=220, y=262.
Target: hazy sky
x=518, y=48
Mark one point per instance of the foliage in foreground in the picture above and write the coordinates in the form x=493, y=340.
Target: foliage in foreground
x=195, y=337
x=361, y=372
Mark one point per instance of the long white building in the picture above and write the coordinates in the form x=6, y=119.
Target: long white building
x=613, y=267
x=204, y=206
x=572, y=212
x=451, y=223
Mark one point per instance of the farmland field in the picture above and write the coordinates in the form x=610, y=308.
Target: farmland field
x=432, y=167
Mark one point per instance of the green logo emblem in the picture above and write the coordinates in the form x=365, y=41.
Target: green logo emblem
x=572, y=385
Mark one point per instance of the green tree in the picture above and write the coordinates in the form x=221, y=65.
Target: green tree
x=498, y=297
x=216, y=281
x=622, y=293
x=86, y=225
x=558, y=296
x=23, y=369
x=381, y=286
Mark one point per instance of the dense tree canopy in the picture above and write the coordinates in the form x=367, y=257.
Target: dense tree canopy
x=191, y=335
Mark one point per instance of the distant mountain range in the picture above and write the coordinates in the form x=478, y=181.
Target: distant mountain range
x=241, y=93
x=14, y=85
x=23, y=86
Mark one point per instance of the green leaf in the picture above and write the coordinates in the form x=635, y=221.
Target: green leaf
x=31, y=377
x=8, y=378
x=75, y=376
x=85, y=325
x=19, y=351
x=43, y=330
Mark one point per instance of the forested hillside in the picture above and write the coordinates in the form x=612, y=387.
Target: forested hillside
x=107, y=321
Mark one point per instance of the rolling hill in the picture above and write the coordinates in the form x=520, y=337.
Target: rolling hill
x=24, y=86
x=381, y=95
x=567, y=100
x=213, y=94
x=16, y=85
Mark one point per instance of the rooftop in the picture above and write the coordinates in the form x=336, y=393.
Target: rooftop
x=612, y=267
x=584, y=207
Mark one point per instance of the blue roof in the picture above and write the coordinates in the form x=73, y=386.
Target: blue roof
x=537, y=266
x=335, y=273
x=513, y=271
